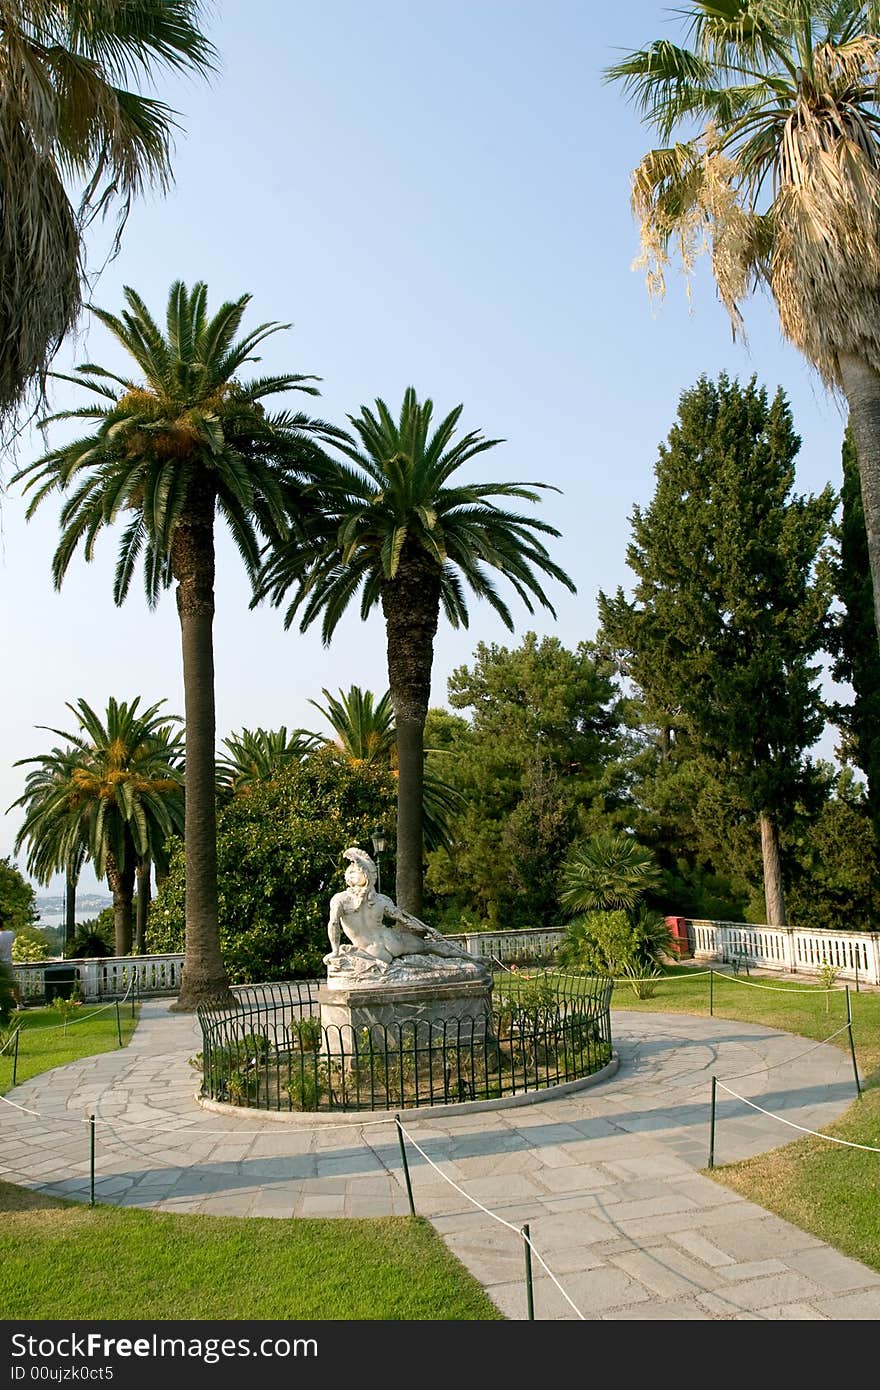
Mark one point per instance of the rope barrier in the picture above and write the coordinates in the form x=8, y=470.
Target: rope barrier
x=777, y=989
x=145, y=1126
x=829, y=1138
x=500, y=1219
x=11, y=1039
x=191, y=1129
x=739, y=1076
x=36, y=1113
x=770, y=1066
x=82, y=1018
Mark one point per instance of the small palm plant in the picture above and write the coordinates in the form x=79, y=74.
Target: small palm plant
x=613, y=932
x=365, y=733
x=258, y=755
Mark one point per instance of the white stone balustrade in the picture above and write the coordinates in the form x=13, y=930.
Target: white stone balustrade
x=792, y=950
x=527, y=944
x=789, y=950
x=106, y=977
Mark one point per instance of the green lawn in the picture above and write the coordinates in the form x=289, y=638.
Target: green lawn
x=827, y=1189
x=787, y=1003
x=66, y=1260
x=63, y=1259
x=46, y=1041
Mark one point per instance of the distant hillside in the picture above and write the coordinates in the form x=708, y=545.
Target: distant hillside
x=87, y=905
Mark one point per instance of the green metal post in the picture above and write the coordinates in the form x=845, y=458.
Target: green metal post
x=91, y=1160
x=412, y=1205
x=712, y=1127
x=530, y=1292
x=711, y=991
x=852, y=1046
x=15, y=1054
x=118, y=1024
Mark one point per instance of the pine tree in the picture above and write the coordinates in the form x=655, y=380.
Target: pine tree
x=854, y=639
x=730, y=603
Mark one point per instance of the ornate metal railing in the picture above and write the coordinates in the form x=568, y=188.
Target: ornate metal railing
x=273, y=1053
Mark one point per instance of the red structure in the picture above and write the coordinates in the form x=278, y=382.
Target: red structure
x=678, y=928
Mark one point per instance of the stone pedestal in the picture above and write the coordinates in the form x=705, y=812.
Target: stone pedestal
x=405, y=1011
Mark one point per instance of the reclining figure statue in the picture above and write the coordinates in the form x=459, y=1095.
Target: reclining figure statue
x=359, y=912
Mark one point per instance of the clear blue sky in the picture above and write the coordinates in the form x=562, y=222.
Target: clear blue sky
x=434, y=195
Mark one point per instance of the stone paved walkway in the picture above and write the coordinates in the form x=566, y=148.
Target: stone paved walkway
x=606, y=1177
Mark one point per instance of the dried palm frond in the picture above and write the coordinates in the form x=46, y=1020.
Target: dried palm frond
x=68, y=120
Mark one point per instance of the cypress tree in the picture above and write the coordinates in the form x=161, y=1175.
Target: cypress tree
x=730, y=604
x=854, y=638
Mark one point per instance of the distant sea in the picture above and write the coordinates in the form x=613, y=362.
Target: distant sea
x=52, y=914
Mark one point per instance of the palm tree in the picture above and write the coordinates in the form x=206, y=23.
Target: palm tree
x=364, y=733
x=604, y=881
x=363, y=727
x=187, y=441
x=609, y=871
x=781, y=181
x=68, y=116
x=400, y=532
x=114, y=793
x=55, y=837
x=258, y=755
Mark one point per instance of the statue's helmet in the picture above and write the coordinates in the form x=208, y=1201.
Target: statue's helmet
x=360, y=856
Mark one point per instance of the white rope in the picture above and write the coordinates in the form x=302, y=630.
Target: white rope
x=24, y=1110
x=81, y=1018
x=848, y=1143
x=738, y=1076
x=191, y=1129
x=667, y=979
x=11, y=1039
x=776, y=989
x=500, y=1219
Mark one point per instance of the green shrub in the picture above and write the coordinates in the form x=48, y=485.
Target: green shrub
x=236, y=1058
x=306, y=1033
x=642, y=979
x=308, y=1087
x=524, y=1002
x=279, y=847
x=605, y=943
x=7, y=993
x=31, y=945
x=67, y=1008
x=827, y=975
x=240, y=1087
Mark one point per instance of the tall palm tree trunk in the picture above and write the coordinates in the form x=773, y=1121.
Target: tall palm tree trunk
x=121, y=883
x=70, y=879
x=144, y=870
x=192, y=559
x=411, y=605
x=862, y=387
x=774, y=894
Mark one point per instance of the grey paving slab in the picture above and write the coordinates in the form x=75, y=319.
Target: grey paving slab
x=608, y=1179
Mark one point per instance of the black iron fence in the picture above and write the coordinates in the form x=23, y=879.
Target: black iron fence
x=272, y=1052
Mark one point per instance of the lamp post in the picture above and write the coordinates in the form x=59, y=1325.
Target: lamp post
x=377, y=835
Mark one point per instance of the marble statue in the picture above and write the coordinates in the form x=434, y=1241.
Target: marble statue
x=408, y=952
